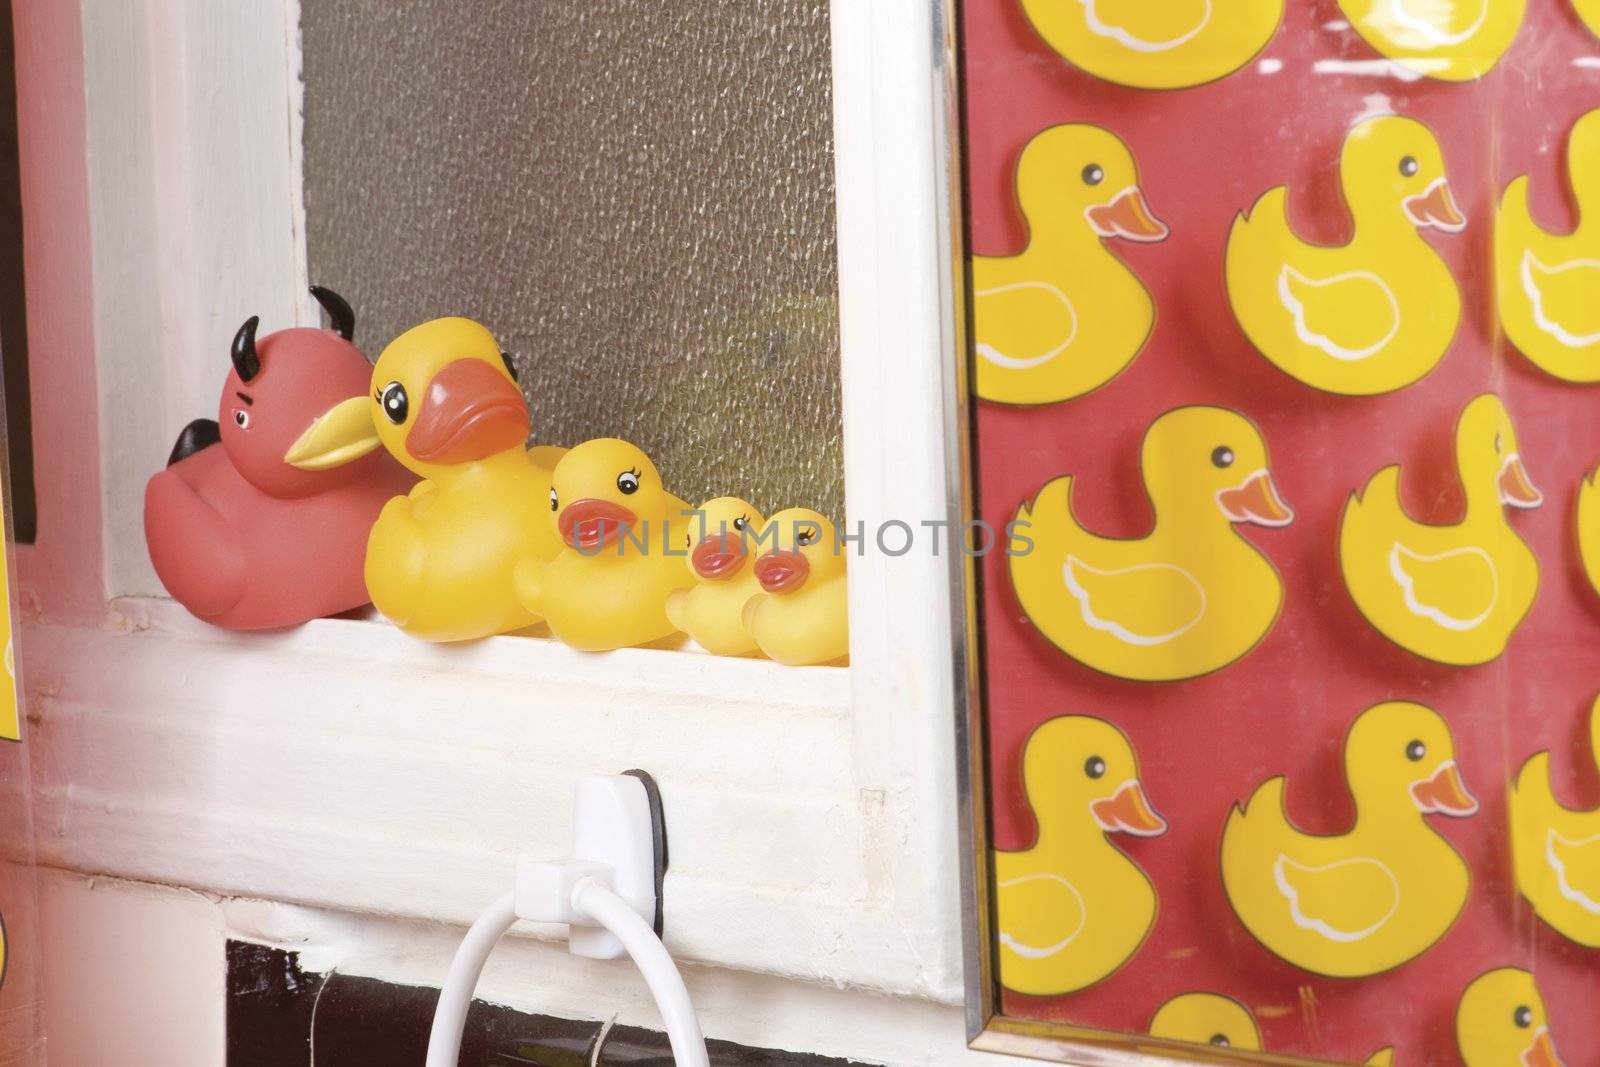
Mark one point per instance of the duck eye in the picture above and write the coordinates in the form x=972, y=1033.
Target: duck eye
x=241, y=418
x=1093, y=174
x=628, y=482
x=805, y=537
x=1222, y=457
x=1221, y=1040
x=396, y=405
x=740, y=523
x=1409, y=167
x=1523, y=1016
x=1415, y=751
x=1094, y=767
x=554, y=500
x=1499, y=443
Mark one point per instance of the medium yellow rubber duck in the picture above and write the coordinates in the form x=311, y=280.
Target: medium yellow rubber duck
x=1170, y=45
x=1065, y=315
x=439, y=560
x=717, y=544
x=1557, y=850
x=1207, y=1019
x=608, y=586
x=1453, y=40
x=1501, y=1022
x=1073, y=908
x=1549, y=284
x=1367, y=901
x=1190, y=597
x=801, y=613
x=1452, y=594
x=1377, y=313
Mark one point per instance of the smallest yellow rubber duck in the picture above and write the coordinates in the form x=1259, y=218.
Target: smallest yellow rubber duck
x=801, y=615
x=1207, y=1019
x=608, y=586
x=1501, y=1022
x=717, y=542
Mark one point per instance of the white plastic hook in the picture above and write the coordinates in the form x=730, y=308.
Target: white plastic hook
x=607, y=894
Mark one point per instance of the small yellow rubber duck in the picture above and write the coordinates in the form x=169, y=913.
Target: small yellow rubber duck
x=1065, y=315
x=1549, y=284
x=1451, y=594
x=439, y=560
x=1557, y=849
x=1073, y=908
x=1170, y=45
x=1501, y=1022
x=1373, y=315
x=1457, y=41
x=608, y=586
x=801, y=613
x=1190, y=597
x=1207, y=1019
x=1367, y=901
x=717, y=542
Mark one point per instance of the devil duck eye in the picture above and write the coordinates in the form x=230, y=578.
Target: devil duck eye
x=628, y=482
x=241, y=418
x=1409, y=167
x=396, y=405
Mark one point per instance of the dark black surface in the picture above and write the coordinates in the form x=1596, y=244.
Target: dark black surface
x=199, y=434
x=658, y=826
x=362, y=1022
x=13, y=310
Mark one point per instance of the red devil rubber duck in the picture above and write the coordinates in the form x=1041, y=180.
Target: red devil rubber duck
x=262, y=521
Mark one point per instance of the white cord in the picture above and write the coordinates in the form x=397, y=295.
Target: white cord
x=654, y=962
x=450, y=1017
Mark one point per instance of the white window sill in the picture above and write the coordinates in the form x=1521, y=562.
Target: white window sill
x=348, y=766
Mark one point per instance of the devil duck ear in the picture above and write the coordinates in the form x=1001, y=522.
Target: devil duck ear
x=245, y=359
x=340, y=315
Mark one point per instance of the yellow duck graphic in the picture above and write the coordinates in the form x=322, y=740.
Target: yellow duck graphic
x=608, y=586
x=1373, y=315
x=1557, y=850
x=717, y=545
x=1171, y=45
x=1501, y=1022
x=1363, y=902
x=1065, y=316
x=1588, y=512
x=1207, y=1019
x=1073, y=908
x=1548, y=285
x=1451, y=40
x=1190, y=597
x=800, y=615
x=439, y=560
x=1452, y=594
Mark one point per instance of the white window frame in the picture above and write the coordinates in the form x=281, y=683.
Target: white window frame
x=813, y=812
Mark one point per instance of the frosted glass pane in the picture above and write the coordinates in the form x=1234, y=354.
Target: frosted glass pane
x=636, y=197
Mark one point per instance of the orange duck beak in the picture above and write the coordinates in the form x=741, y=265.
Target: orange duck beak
x=1128, y=811
x=782, y=572
x=1255, y=500
x=1129, y=217
x=1436, y=208
x=1542, y=1053
x=1516, y=488
x=718, y=557
x=592, y=524
x=1445, y=793
x=471, y=411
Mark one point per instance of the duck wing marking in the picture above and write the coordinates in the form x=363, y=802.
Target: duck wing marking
x=1097, y=26
x=1346, y=884
x=1428, y=25
x=1042, y=293
x=1536, y=276
x=1036, y=952
x=1554, y=845
x=1152, y=586
x=1316, y=333
x=1457, y=570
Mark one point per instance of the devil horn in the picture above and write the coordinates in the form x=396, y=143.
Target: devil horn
x=245, y=359
x=338, y=309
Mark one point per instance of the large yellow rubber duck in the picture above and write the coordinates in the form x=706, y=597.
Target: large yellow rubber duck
x=1171, y=45
x=1548, y=285
x=439, y=560
x=1073, y=908
x=717, y=544
x=1367, y=901
x=1065, y=315
x=801, y=613
x=1451, y=40
x=1207, y=1019
x=1452, y=594
x=619, y=527
x=1190, y=597
x=1557, y=850
x=1373, y=315
x=1501, y=1022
